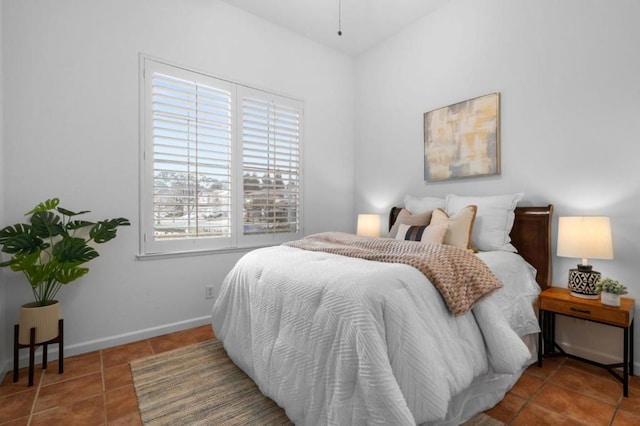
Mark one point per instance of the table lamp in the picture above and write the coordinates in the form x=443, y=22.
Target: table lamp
x=368, y=225
x=585, y=237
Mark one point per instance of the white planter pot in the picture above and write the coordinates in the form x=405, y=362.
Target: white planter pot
x=610, y=299
x=43, y=318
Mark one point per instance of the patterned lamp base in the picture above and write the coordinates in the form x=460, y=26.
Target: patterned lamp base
x=582, y=282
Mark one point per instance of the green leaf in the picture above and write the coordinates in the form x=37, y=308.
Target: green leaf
x=106, y=230
x=38, y=274
x=19, y=239
x=74, y=251
x=102, y=232
x=70, y=213
x=24, y=243
x=47, y=224
x=50, y=204
x=28, y=263
x=78, y=224
x=9, y=232
x=119, y=221
x=65, y=276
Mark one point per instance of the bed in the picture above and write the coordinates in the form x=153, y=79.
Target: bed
x=341, y=340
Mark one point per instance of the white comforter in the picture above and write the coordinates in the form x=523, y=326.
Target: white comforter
x=342, y=341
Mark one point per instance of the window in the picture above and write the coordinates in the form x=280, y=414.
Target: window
x=221, y=163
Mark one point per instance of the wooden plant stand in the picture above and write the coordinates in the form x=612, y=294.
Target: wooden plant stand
x=32, y=350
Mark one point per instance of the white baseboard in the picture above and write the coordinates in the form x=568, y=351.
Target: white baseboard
x=5, y=367
x=107, y=342
x=595, y=355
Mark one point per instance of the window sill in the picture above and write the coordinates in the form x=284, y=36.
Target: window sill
x=172, y=255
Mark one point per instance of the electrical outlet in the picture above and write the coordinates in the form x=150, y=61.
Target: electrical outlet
x=210, y=291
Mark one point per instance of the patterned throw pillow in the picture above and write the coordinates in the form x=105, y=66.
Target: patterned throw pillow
x=405, y=217
x=427, y=234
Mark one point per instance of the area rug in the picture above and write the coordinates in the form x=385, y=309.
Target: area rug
x=200, y=385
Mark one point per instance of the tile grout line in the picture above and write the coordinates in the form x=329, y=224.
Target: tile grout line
x=537, y=392
x=567, y=364
x=104, y=389
x=616, y=405
x=617, y=408
x=35, y=398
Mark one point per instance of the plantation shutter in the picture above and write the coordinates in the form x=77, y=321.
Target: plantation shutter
x=192, y=128
x=221, y=163
x=271, y=170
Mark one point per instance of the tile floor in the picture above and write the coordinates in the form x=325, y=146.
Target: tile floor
x=569, y=392
x=97, y=389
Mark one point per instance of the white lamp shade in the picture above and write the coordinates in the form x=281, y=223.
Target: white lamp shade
x=368, y=225
x=586, y=237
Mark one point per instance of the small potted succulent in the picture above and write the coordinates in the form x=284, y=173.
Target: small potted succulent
x=610, y=291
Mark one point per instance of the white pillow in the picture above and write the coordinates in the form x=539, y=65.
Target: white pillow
x=417, y=205
x=494, y=219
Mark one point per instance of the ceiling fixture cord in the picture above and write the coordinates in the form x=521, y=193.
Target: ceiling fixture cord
x=339, y=17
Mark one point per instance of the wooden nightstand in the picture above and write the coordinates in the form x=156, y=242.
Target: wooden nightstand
x=555, y=300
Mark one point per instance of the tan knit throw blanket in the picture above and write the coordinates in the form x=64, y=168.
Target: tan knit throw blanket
x=460, y=276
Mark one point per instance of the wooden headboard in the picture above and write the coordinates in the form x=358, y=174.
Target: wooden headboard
x=531, y=235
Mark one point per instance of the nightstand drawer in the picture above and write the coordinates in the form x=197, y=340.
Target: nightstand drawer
x=589, y=311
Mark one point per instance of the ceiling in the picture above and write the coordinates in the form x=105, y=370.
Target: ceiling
x=365, y=23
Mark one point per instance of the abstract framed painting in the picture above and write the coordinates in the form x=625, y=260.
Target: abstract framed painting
x=463, y=140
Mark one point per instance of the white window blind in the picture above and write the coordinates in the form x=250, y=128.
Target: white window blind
x=271, y=164
x=221, y=163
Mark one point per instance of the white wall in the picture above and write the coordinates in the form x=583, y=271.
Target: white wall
x=71, y=131
x=568, y=76
x=4, y=335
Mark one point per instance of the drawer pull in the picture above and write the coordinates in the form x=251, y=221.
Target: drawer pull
x=582, y=311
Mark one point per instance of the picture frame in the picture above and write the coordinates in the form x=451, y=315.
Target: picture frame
x=462, y=140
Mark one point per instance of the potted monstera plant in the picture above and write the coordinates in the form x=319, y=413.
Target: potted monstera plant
x=51, y=251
